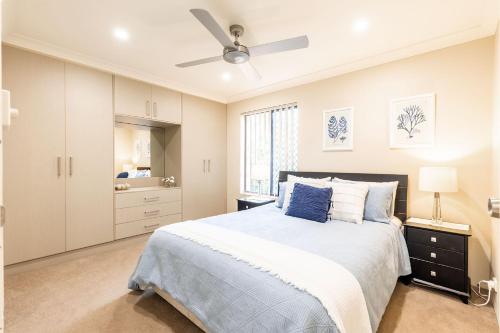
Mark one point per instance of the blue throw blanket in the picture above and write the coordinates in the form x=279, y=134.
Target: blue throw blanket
x=230, y=296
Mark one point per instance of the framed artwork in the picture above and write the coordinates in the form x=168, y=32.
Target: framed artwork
x=412, y=121
x=338, y=129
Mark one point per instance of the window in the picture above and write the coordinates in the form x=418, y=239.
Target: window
x=269, y=145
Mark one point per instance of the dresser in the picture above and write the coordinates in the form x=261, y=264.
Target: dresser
x=439, y=257
x=142, y=210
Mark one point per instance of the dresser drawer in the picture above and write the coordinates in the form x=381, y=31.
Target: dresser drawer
x=436, y=255
x=436, y=239
x=128, y=214
x=441, y=275
x=144, y=226
x=131, y=199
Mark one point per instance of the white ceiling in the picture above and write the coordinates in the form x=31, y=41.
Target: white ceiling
x=163, y=33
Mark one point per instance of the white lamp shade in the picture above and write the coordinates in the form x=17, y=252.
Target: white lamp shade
x=438, y=179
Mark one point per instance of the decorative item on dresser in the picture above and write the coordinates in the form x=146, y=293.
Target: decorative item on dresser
x=252, y=202
x=439, y=255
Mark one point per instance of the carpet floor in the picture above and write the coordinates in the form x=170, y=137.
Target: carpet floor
x=90, y=294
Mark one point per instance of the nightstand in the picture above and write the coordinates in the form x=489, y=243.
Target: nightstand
x=252, y=202
x=439, y=257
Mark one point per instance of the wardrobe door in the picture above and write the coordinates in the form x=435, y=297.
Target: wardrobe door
x=216, y=164
x=89, y=147
x=203, y=143
x=132, y=98
x=34, y=177
x=166, y=105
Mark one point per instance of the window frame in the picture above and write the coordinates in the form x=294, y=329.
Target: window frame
x=243, y=146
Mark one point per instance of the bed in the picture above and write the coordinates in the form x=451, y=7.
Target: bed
x=221, y=293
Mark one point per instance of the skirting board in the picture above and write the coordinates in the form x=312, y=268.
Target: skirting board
x=181, y=308
x=75, y=254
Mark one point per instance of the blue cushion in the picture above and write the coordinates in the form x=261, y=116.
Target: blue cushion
x=378, y=203
x=310, y=202
x=281, y=197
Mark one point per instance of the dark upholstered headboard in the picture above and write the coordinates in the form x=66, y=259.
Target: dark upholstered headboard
x=401, y=194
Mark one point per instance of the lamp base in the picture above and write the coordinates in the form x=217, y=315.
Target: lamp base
x=436, y=209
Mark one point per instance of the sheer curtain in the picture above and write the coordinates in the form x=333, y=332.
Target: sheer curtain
x=270, y=146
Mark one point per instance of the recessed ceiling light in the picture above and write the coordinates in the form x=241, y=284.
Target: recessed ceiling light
x=226, y=76
x=360, y=25
x=121, y=34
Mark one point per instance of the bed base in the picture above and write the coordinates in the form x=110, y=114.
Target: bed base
x=181, y=308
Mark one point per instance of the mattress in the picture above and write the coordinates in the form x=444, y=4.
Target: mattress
x=227, y=295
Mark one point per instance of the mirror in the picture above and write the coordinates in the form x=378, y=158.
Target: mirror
x=139, y=151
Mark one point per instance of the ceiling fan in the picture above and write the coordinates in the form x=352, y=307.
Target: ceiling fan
x=236, y=53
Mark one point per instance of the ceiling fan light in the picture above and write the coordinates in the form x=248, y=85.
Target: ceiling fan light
x=236, y=55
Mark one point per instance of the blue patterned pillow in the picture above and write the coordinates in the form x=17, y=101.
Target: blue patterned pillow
x=311, y=203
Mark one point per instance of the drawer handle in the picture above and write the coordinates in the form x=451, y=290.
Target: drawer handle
x=433, y=239
x=151, y=198
x=433, y=255
x=246, y=207
x=433, y=273
x=151, y=226
x=151, y=212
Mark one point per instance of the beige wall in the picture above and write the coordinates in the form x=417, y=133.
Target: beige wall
x=461, y=77
x=495, y=260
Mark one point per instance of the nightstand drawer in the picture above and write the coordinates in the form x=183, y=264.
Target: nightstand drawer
x=436, y=255
x=436, y=239
x=440, y=275
x=243, y=205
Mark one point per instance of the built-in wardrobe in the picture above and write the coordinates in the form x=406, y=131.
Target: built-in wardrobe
x=58, y=158
x=203, y=157
x=59, y=171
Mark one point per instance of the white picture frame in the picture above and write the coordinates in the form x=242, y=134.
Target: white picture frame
x=412, y=121
x=338, y=129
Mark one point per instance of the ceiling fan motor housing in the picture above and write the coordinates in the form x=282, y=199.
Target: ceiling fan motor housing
x=236, y=55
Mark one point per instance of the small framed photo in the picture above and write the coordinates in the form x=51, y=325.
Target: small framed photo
x=412, y=121
x=338, y=129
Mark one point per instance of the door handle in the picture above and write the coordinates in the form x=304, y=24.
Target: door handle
x=148, y=112
x=59, y=159
x=204, y=166
x=209, y=165
x=2, y=216
x=151, y=226
x=155, y=198
x=151, y=212
x=71, y=165
x=155, y=110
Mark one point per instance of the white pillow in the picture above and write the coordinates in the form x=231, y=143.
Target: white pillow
x=349, y=201
x=316, y=182
x=394, y=190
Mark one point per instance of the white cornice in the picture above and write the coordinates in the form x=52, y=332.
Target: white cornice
x=55, y=51
x=467, y=35
x=486, y=29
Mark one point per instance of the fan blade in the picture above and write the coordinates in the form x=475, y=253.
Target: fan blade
x=249, y=71
x=199, y=61
x=280, y=46
x=215, y=29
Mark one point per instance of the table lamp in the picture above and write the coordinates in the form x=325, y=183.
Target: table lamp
x=437, y=180
x=260, y=173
